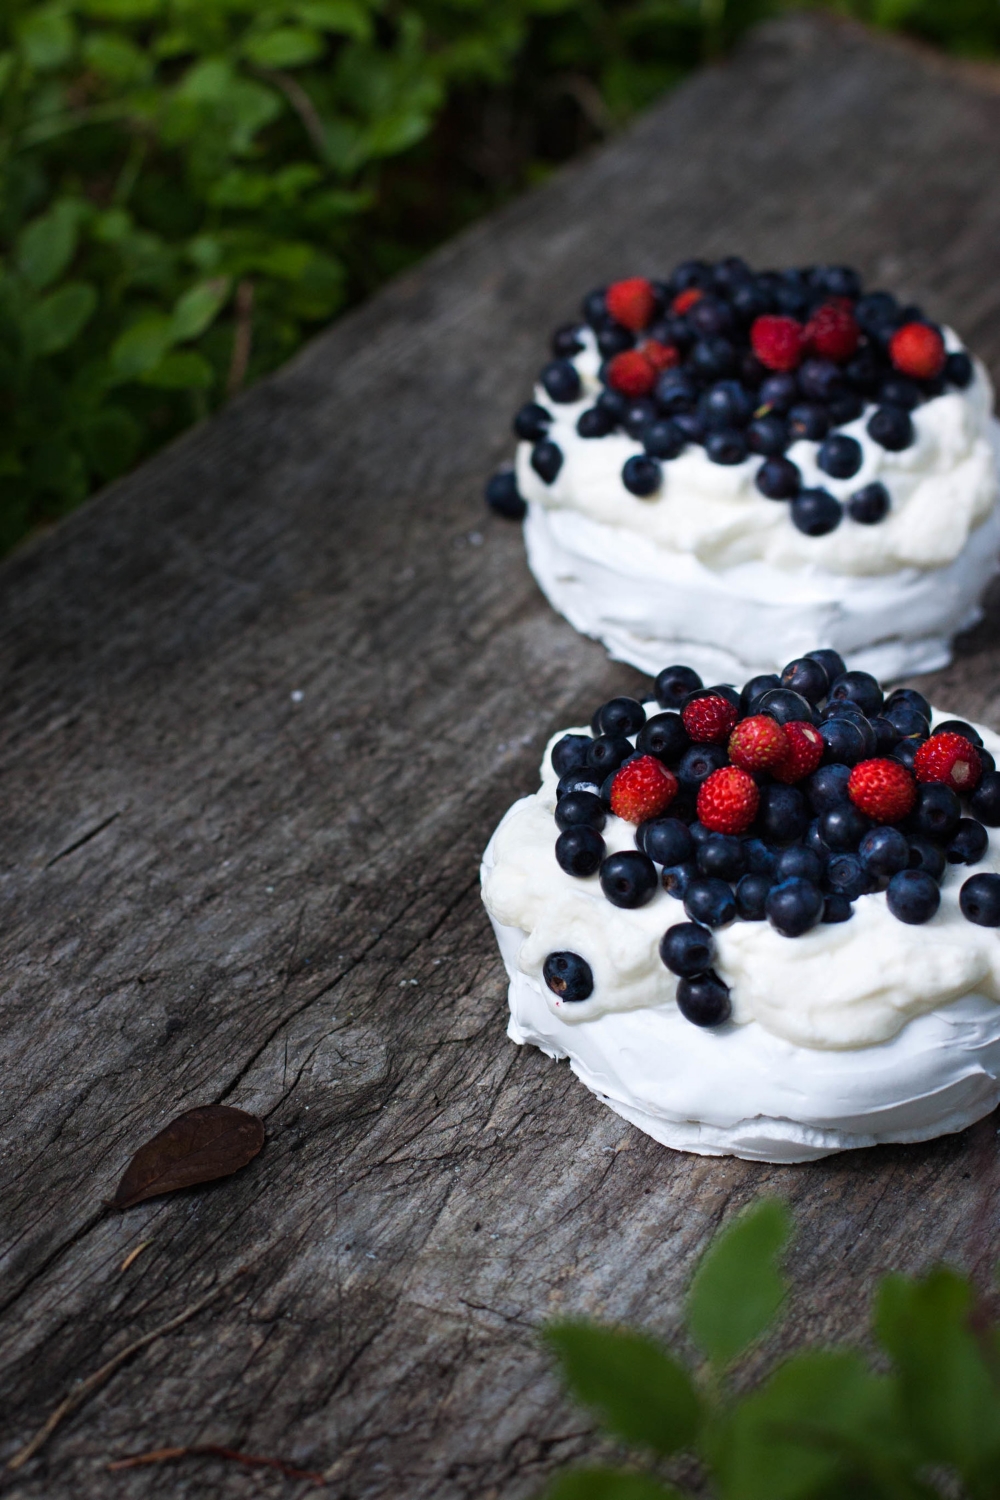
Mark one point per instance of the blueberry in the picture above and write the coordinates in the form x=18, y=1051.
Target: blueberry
x=912, y=896
x=570, y=753
x=751, y=896
x=595, y=422
x=906, y=752
x=785, y=705
x=845, y=408
x=726, y=447
x=761, y=858
x=691, y=273
x=583, y=779
x=704, y=1000
x=809, y=421
x=968, y=843
x=687, y=949
x=607, y=752
x=722, y=855
x=847, y=874
x=613, y=339
x=840, y=456
x=676, y=392
x=614, y=403
x=799, y=862
x=844, y=741
x=666, y=840
x=806, y=676
x=937, y=812
x=884, y=852
x=663, y=439
x=532, y=422
x=710, y=316
x=958, y=369
x=817, y=843
x=642, y=475
x=504, y=497
x=870, y=504
x=778, y=478
x=664, y=736
x=891, y=427
x=594, y=308
x=628, y=879
x=908, y=722
x=979, y=900
x=831, y=662
x=620, y=716
x=750, y=301
x=677, y=878
x=673, y=685
x=985, y=800
x=580, y=807
x=546, y=460
x=841, y=281
x=756, y=688
x=768, y=435
x=566, y=341
x=827, y=787
x=898, y=391
x=699, y=833
x=691, y=425
x=639, y=413
x=987, y=762
x=713, y=357
x=779, y=392
x=561, y=380
x=843, y=827
x=837, y=908
x=864, y=371
x=927, y=856
x=710, y=901
x=579, y=850
x=794, y=906
x=725, y=404
x=699, y=762
x=820, y=379
x=911, y=697
x=816, y=512
x=860, y=688
x=876, y=308
x=959, y=726
x=569, y=976
x=783, y=815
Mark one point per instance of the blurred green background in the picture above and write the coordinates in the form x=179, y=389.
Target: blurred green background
x=190, y=188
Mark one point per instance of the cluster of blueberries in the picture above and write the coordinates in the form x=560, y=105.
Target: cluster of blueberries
x=720, y=395
x=810, y=852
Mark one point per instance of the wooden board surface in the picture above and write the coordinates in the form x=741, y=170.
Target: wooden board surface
x=262, y=704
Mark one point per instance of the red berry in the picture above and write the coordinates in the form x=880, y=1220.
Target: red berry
x=684, y=301
x=805, y=751
x=833, y=331
x=950, y=758
x=777, y=342
x=882, y=788
x=709, y=720
x=642, y=789
x=757, y=743
x=631, y=373
x=918, y=350
x=631, y=302
x=728, y=800
x=660, y=356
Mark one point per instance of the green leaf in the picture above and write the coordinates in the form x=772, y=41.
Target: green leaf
x=738, y=1288
x=7, y=60
x=198, y=307
x=285, y=47
x=141, y=347
x=47, y=37
x=46, y=246
x=639, y=1391
x=344, y=16
x=111, y=440
x=949, y=1395
x=181, y=370
x=607, y=1484
x=54, y=322
x=115, y=58
x=122, y=10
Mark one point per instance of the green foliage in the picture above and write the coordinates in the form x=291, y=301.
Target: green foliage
x=189, y=188
x=822, y=1424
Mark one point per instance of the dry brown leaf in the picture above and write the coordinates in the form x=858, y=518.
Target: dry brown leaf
x=202, y=1144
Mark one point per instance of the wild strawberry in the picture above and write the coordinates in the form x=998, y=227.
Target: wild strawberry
x=642, y=789
x=833, y=331
x=728, y=800
x=882, y=788
x=757, y=743
x=950, y=758
x=684, y=301
x=631, y=302
x=777, y=342
x=631, y=373
x=917, y=350
x=660, y=356
x=805, y=751
x=709, y=720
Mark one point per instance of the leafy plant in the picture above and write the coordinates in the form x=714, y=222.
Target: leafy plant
x=823, y=1423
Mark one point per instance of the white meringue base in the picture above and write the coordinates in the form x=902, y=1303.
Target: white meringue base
x=651, y=606
x=742, y=1091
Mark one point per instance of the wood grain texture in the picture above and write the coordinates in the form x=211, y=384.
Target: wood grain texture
x=216, y=891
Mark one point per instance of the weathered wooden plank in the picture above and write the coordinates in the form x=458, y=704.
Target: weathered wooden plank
x=217, y=889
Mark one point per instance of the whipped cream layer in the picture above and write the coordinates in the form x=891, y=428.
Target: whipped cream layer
x=857, y=1032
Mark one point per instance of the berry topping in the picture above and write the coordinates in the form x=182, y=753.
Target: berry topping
x=641, y=475
x=883, y=789
x=793, y=906
x=979, y=900
x=631, y=373
x=579, y=851
x=620, y=716
x=667, y=840
x=504, y=497
x=870, y=504
x=840, y=456
x=628, y=879
x=728, y=800
x=546, y=460
x=568, y=976
x=892, y=427
x=664, y=736
x=913, y=896
x=687, y=949
x=805, y=751
x=704, y=1000
x=816, y=512
x=948, y=758
x=578, y=808
x=777, y=342
x=684, y=301
x=561, y=380
x=709, y=900
x=751, y=896
x=918, y=350
x=632, y=302
x=758, y=743
x=709, y=719
x=660, y=356
x=642, y=789
x=968, y=843
x=833, y=331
